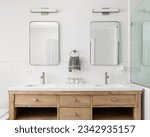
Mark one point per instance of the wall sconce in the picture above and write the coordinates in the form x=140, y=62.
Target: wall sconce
x=44, y=11
x=105, y=11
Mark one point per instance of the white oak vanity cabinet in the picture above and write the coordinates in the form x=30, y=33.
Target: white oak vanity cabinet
x=75, y=105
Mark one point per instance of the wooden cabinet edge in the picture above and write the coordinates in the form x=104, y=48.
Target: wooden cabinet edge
x=137, y=107
x=12, y=109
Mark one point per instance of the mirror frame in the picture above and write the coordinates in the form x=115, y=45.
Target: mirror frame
x=58, y=45
x=118, y=47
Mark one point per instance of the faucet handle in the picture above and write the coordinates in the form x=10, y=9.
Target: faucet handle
x=106, y=78
x=106, y=74
x=43, y=77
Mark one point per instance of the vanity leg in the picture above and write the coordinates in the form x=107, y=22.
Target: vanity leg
x=58, y=108
x=12, y=109
x=137, y=107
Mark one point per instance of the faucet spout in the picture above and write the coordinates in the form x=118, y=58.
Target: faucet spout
x=43, y=77
x=106, y=78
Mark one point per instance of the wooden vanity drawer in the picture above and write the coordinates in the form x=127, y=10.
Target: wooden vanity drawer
x=113, y=100
x=35, y=100
x=74, y=101
x=75, y=113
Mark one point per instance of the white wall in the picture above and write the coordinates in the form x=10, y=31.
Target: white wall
x=74, y=17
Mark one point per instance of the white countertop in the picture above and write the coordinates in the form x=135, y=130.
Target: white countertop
x=76, y=87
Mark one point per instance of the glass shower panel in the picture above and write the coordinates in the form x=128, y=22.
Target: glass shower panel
x=140, y=44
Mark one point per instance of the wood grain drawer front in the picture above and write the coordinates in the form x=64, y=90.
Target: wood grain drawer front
x=111, y=100
x=35, y=100
x=75, y=113
x=75, y=101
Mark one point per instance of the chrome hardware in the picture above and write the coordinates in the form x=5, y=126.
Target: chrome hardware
x=114, y=100
x=75, y=114
x=35, y=100
x=74, y=100
x=106, y=78
x=43, y=77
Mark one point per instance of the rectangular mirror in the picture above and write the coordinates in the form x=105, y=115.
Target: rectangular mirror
x=104, y=43
x=44, y=43
x=146, y=43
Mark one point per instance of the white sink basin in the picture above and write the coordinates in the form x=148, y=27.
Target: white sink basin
x=74, y=86
x=36, y=85
x=110, y=85
x=58, y=85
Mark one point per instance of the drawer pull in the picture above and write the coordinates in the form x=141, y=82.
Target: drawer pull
x=75, y=114
x=35, y=100
x=74, y=100
x=114, y=100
